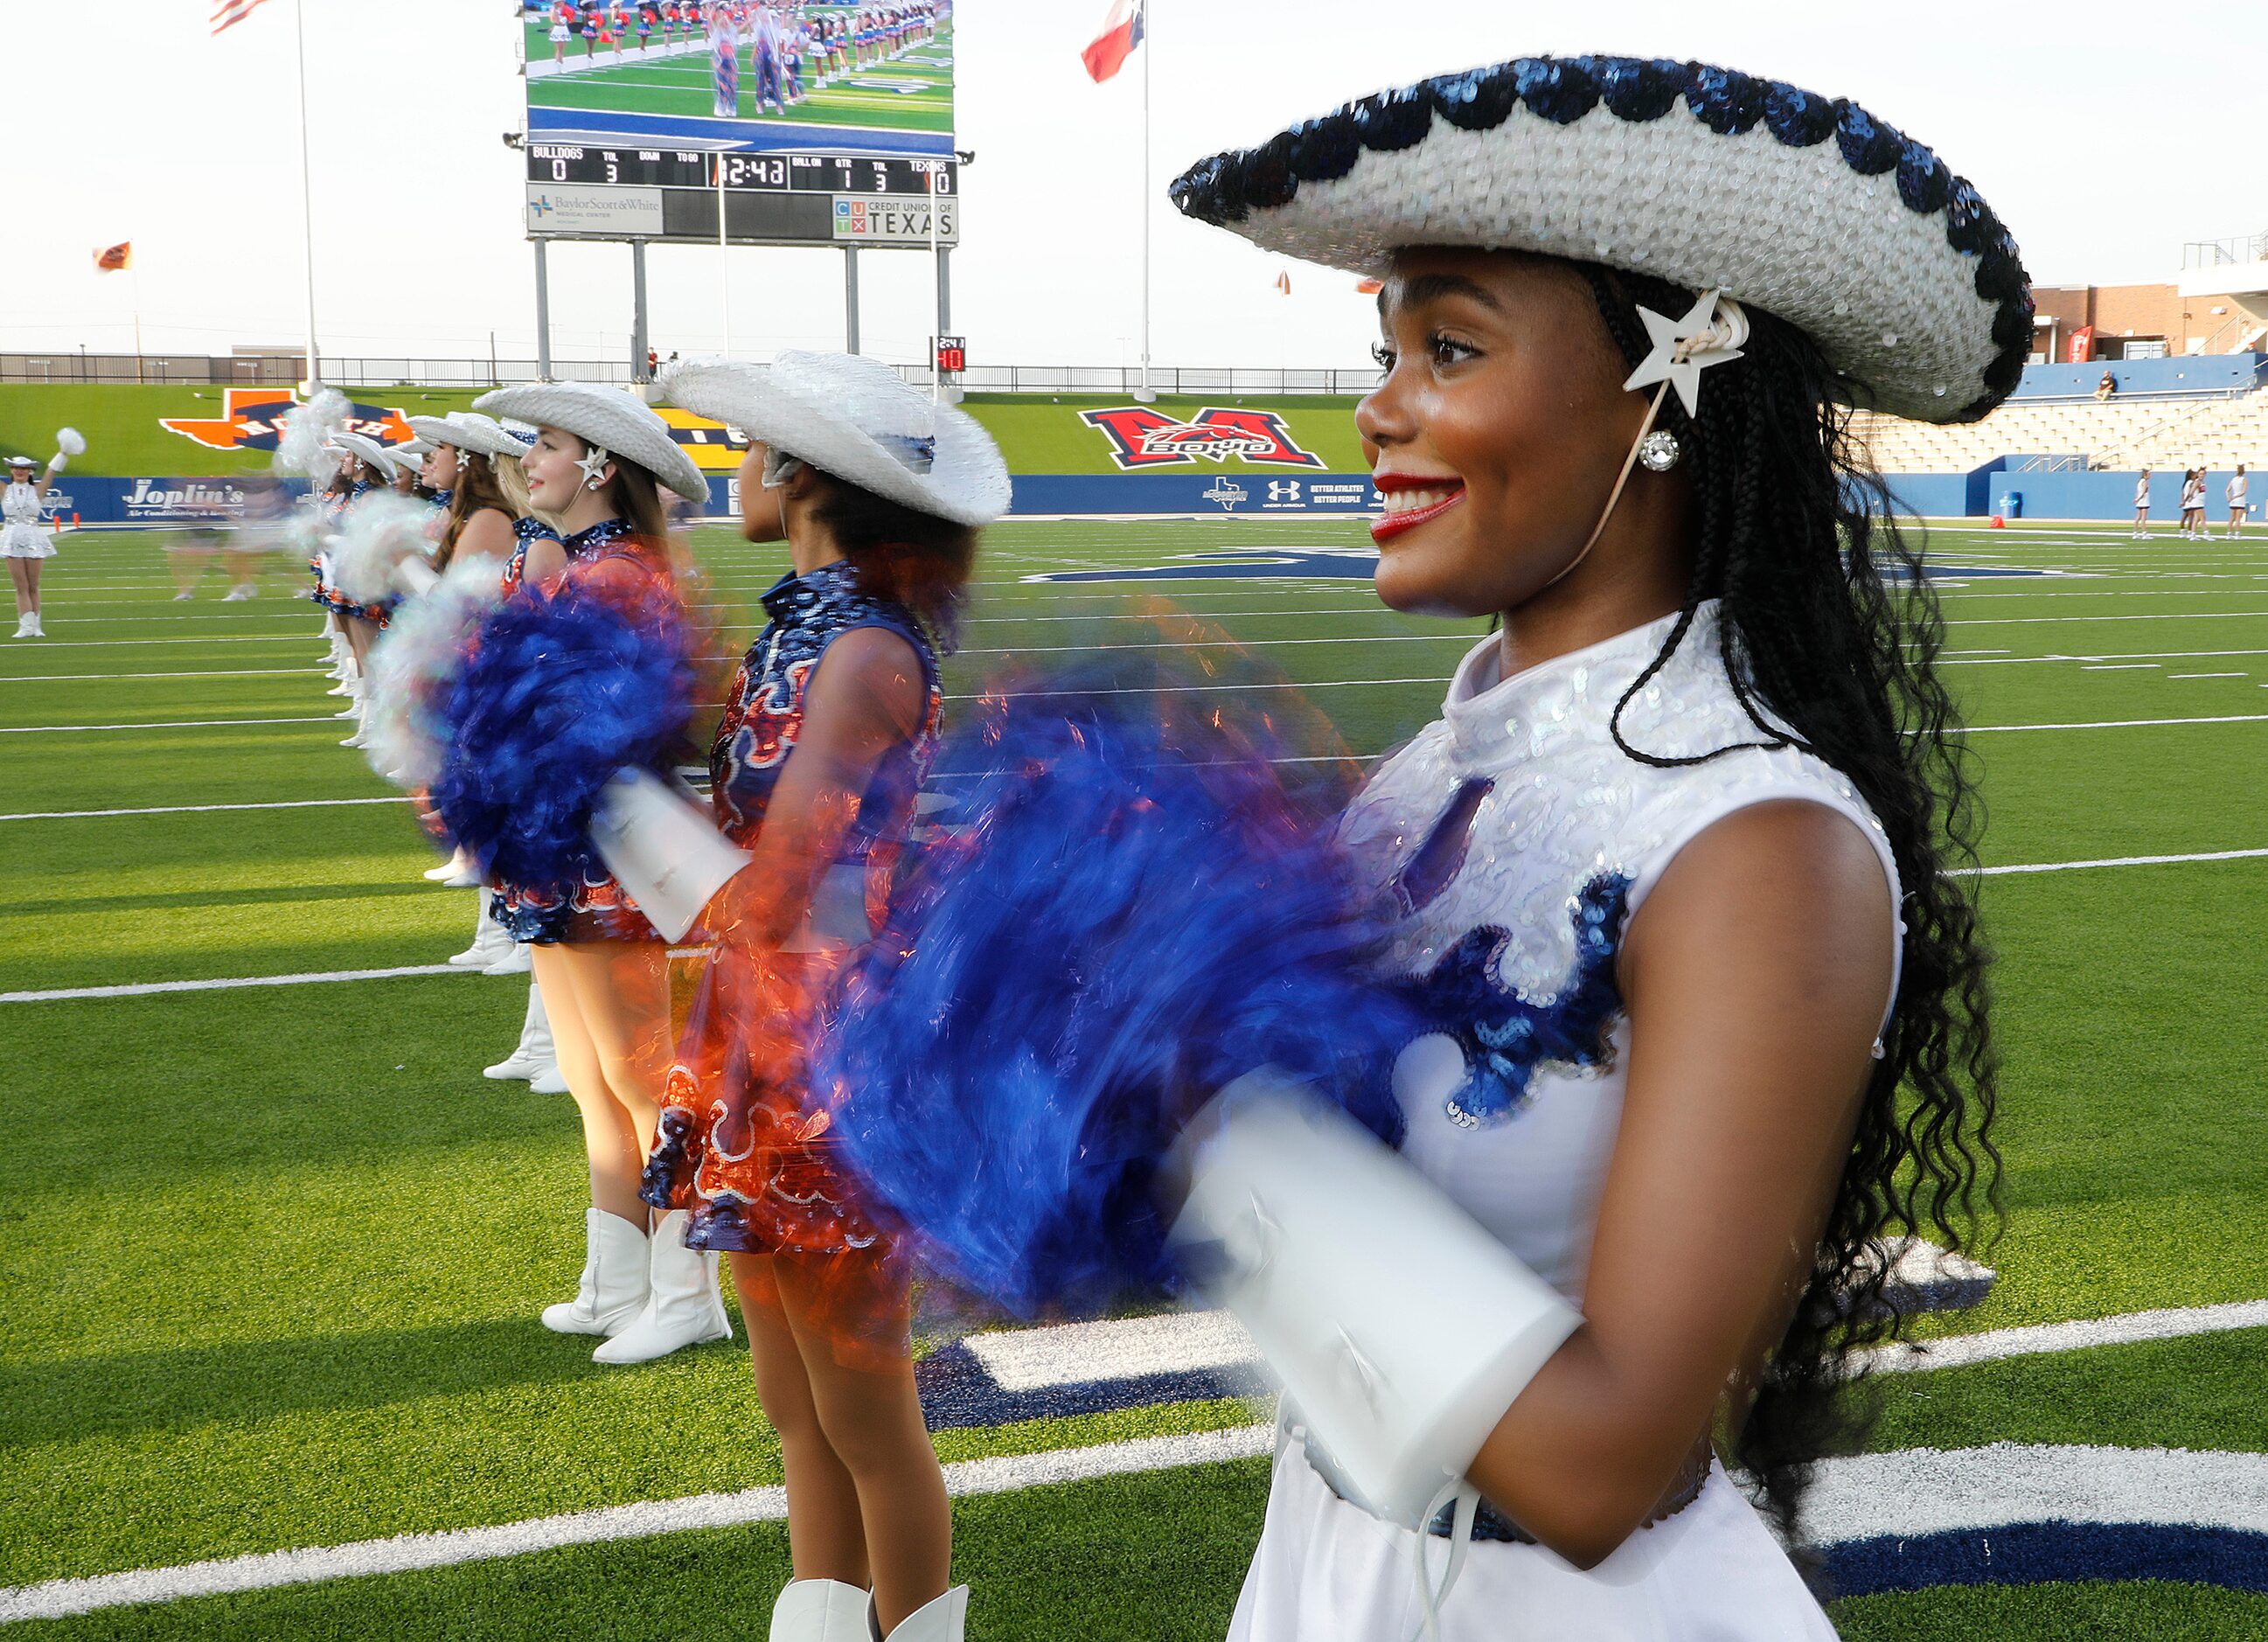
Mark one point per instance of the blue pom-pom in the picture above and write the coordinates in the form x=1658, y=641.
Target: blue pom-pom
x=1134, y=915
x=562, y=690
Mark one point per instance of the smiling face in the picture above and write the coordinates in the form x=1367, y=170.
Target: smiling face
x=1497, y=434
x=441, y=469
x=553, y=468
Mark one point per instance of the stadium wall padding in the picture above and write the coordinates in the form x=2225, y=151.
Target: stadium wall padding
x=137, y=470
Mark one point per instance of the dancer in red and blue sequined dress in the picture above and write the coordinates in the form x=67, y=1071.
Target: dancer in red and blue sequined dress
x=828, y=731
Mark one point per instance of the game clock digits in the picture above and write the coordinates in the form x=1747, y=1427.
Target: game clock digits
x=583, y=191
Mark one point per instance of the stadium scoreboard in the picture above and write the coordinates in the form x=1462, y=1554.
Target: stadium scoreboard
x=582, y=191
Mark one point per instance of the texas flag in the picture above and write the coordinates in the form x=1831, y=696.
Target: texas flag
x=1122, y=32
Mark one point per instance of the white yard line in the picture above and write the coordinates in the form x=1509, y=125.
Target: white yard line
x=146, y=989
x=200, y=673
x=2113, y=724
x=1912, y=1491
x=409, y=1552
x=199, y=809
x=160, y=723
x=2122, y=860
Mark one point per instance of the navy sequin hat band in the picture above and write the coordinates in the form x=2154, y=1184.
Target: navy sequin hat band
x=1806, y=206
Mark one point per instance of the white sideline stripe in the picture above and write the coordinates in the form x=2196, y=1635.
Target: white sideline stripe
x=159, y=724
x=2122, y=860
x=2113, y=724
x=199, y=809
x=1127, y=1348
x=409, y=1552
x=1960, y=1350
x=1910, y=1491
x=195, y=673
x=145, y=988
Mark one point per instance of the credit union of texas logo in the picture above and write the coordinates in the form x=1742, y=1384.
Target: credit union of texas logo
x=1225, y=491
x=1142, y=437
x=252, y=419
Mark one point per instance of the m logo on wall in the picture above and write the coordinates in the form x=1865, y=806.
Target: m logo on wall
x=252, y=419
x=1142, y=437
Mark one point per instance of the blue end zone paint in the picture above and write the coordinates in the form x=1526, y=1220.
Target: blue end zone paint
x=957, y=1393
x=561, y=125
x=2039, y=1553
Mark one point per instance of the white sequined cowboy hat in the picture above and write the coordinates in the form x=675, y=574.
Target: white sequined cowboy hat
x=1804, y=206
x=607, y=418
x=469, y=431
x=857, y=420
x=378, y=456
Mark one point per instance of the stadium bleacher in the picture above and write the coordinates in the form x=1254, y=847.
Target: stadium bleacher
x=2180, y=426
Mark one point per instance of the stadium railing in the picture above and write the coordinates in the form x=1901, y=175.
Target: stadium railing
x=283, y=371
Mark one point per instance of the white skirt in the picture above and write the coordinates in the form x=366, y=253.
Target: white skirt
x=1329, y=1571
x=26, y=541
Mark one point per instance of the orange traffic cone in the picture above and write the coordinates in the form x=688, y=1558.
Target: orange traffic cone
x=1998, y=523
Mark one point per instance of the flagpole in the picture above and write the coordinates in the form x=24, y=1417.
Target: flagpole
x=1146, y=393
x=307, y=201
x=724, y=270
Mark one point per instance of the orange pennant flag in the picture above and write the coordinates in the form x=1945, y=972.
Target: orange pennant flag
x=1284, y=283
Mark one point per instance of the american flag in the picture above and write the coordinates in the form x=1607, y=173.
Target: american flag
x=228, y=13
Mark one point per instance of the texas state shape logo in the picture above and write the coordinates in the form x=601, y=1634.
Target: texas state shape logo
x=252, y=419
x=1142, y=437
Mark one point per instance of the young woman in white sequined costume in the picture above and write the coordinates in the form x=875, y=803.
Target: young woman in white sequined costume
x=1710, y=1021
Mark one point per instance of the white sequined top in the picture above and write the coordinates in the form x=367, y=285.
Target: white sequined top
x=1513, y=1110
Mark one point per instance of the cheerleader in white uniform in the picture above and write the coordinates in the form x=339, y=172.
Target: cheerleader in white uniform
x=1676, y=863
x=24, y=540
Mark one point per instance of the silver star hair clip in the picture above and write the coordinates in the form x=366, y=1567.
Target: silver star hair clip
x=593, y=463
x=1710, y=333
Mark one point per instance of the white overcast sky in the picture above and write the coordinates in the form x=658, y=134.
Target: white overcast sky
x=2105, y=140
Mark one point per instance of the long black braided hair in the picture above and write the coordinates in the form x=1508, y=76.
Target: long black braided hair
x=1792, y=533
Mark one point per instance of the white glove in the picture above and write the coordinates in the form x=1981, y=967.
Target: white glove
x=1399, y=1327
x=417, y=578
x=57, y=462
x=663, y=849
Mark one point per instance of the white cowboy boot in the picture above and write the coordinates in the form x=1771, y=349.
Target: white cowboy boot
x=682, y=1306
x=822, y=1610
x=942, y=1620
x=611, y=1292
x=456, y=867
x=515, y=958
x=533, y=1055
x=490, y=941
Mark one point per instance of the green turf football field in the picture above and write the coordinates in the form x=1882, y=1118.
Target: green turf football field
x=911, y=92
x=273, y=1255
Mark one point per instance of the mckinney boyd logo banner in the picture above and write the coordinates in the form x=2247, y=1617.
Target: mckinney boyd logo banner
x=252, y=419
x=1143, y=439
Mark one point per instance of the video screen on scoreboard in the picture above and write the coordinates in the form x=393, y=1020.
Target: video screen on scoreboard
x=743, y=75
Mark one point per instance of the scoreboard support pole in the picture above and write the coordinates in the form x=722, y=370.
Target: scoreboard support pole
x=641, y=343
x=849, y=298
x=542, y=314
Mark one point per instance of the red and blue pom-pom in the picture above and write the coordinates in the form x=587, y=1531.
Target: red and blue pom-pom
x=562, y=690
x=1133, y=913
